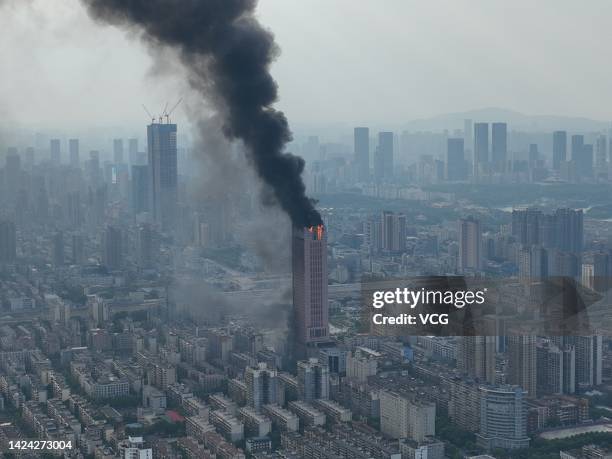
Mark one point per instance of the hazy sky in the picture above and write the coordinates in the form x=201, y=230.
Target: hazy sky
x=343, y=61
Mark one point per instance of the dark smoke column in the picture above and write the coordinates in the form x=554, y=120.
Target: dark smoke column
x=227, y=55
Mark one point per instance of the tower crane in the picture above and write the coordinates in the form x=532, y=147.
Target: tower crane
x=167, y=114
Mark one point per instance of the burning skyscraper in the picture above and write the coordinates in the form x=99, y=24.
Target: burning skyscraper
x=310, y=303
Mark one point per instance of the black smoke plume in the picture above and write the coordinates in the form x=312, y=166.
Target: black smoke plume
x=227, y=54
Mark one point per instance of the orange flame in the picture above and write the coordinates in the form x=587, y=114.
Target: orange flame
x=319, y=231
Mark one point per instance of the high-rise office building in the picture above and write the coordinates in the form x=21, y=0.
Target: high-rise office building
x=589, y=359
x=456, y=166
x=73, y=150
x=562, y=230
x=556, y=369
x=570, y=230
x=92, y=169
x=464, y=403
x=8, y=242
x=481, y=147
x=602, y=272
x=261, y=385
x=58, y=249
x=146, y=246
x=601, y=152
x=140, y=189
x=118, y=151
x=310, y=302
x=577, y=147
x=538, y=262
x=579, y=156
x=499, y=146
x=549, y=364
x=468, y=131
x=503, y=418
x=569, y=368
x=559, y=149
x=361, y=136
x=313, y=380
x=393, y=231
x=373, y=234
x=588, y=275
x=73, y=209
x=55, y=154
x=547, y=229
x=526, y=225
x=564, y=264
x=163, y=173
x=470, y=233
x=532, y=263
x=585, y=166
x=133, y=151
x=476, y=357
x=522, y=363
x=383, y=159
x=113, y=248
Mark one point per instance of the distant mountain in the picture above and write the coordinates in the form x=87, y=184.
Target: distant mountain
x=515, y=120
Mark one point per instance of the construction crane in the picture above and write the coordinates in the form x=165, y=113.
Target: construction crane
x=149, y=113
x=167, y=114
x=161, y=115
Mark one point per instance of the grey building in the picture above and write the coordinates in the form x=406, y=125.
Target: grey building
x=481, y=146
x=559, y=149
x=362, y=153
x=499, y=146
x=163, y=178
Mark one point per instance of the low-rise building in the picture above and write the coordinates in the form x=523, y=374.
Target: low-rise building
x=308, y=414
x=227, y=425
x=281, y=418
x=255, y=424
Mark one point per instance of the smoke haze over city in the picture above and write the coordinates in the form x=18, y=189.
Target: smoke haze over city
x=329, y=229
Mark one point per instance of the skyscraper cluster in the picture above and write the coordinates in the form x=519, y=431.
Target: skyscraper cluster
x=387, y=233
x=482, y=152
x=551, y=245
x=496, y=161
x=382, y=159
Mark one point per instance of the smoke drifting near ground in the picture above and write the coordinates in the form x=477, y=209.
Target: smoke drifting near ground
x=199, y=302
x=225, y=179
x=226, y=55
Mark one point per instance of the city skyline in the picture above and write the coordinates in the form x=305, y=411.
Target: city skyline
x=275, y=229
x=87, y=219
